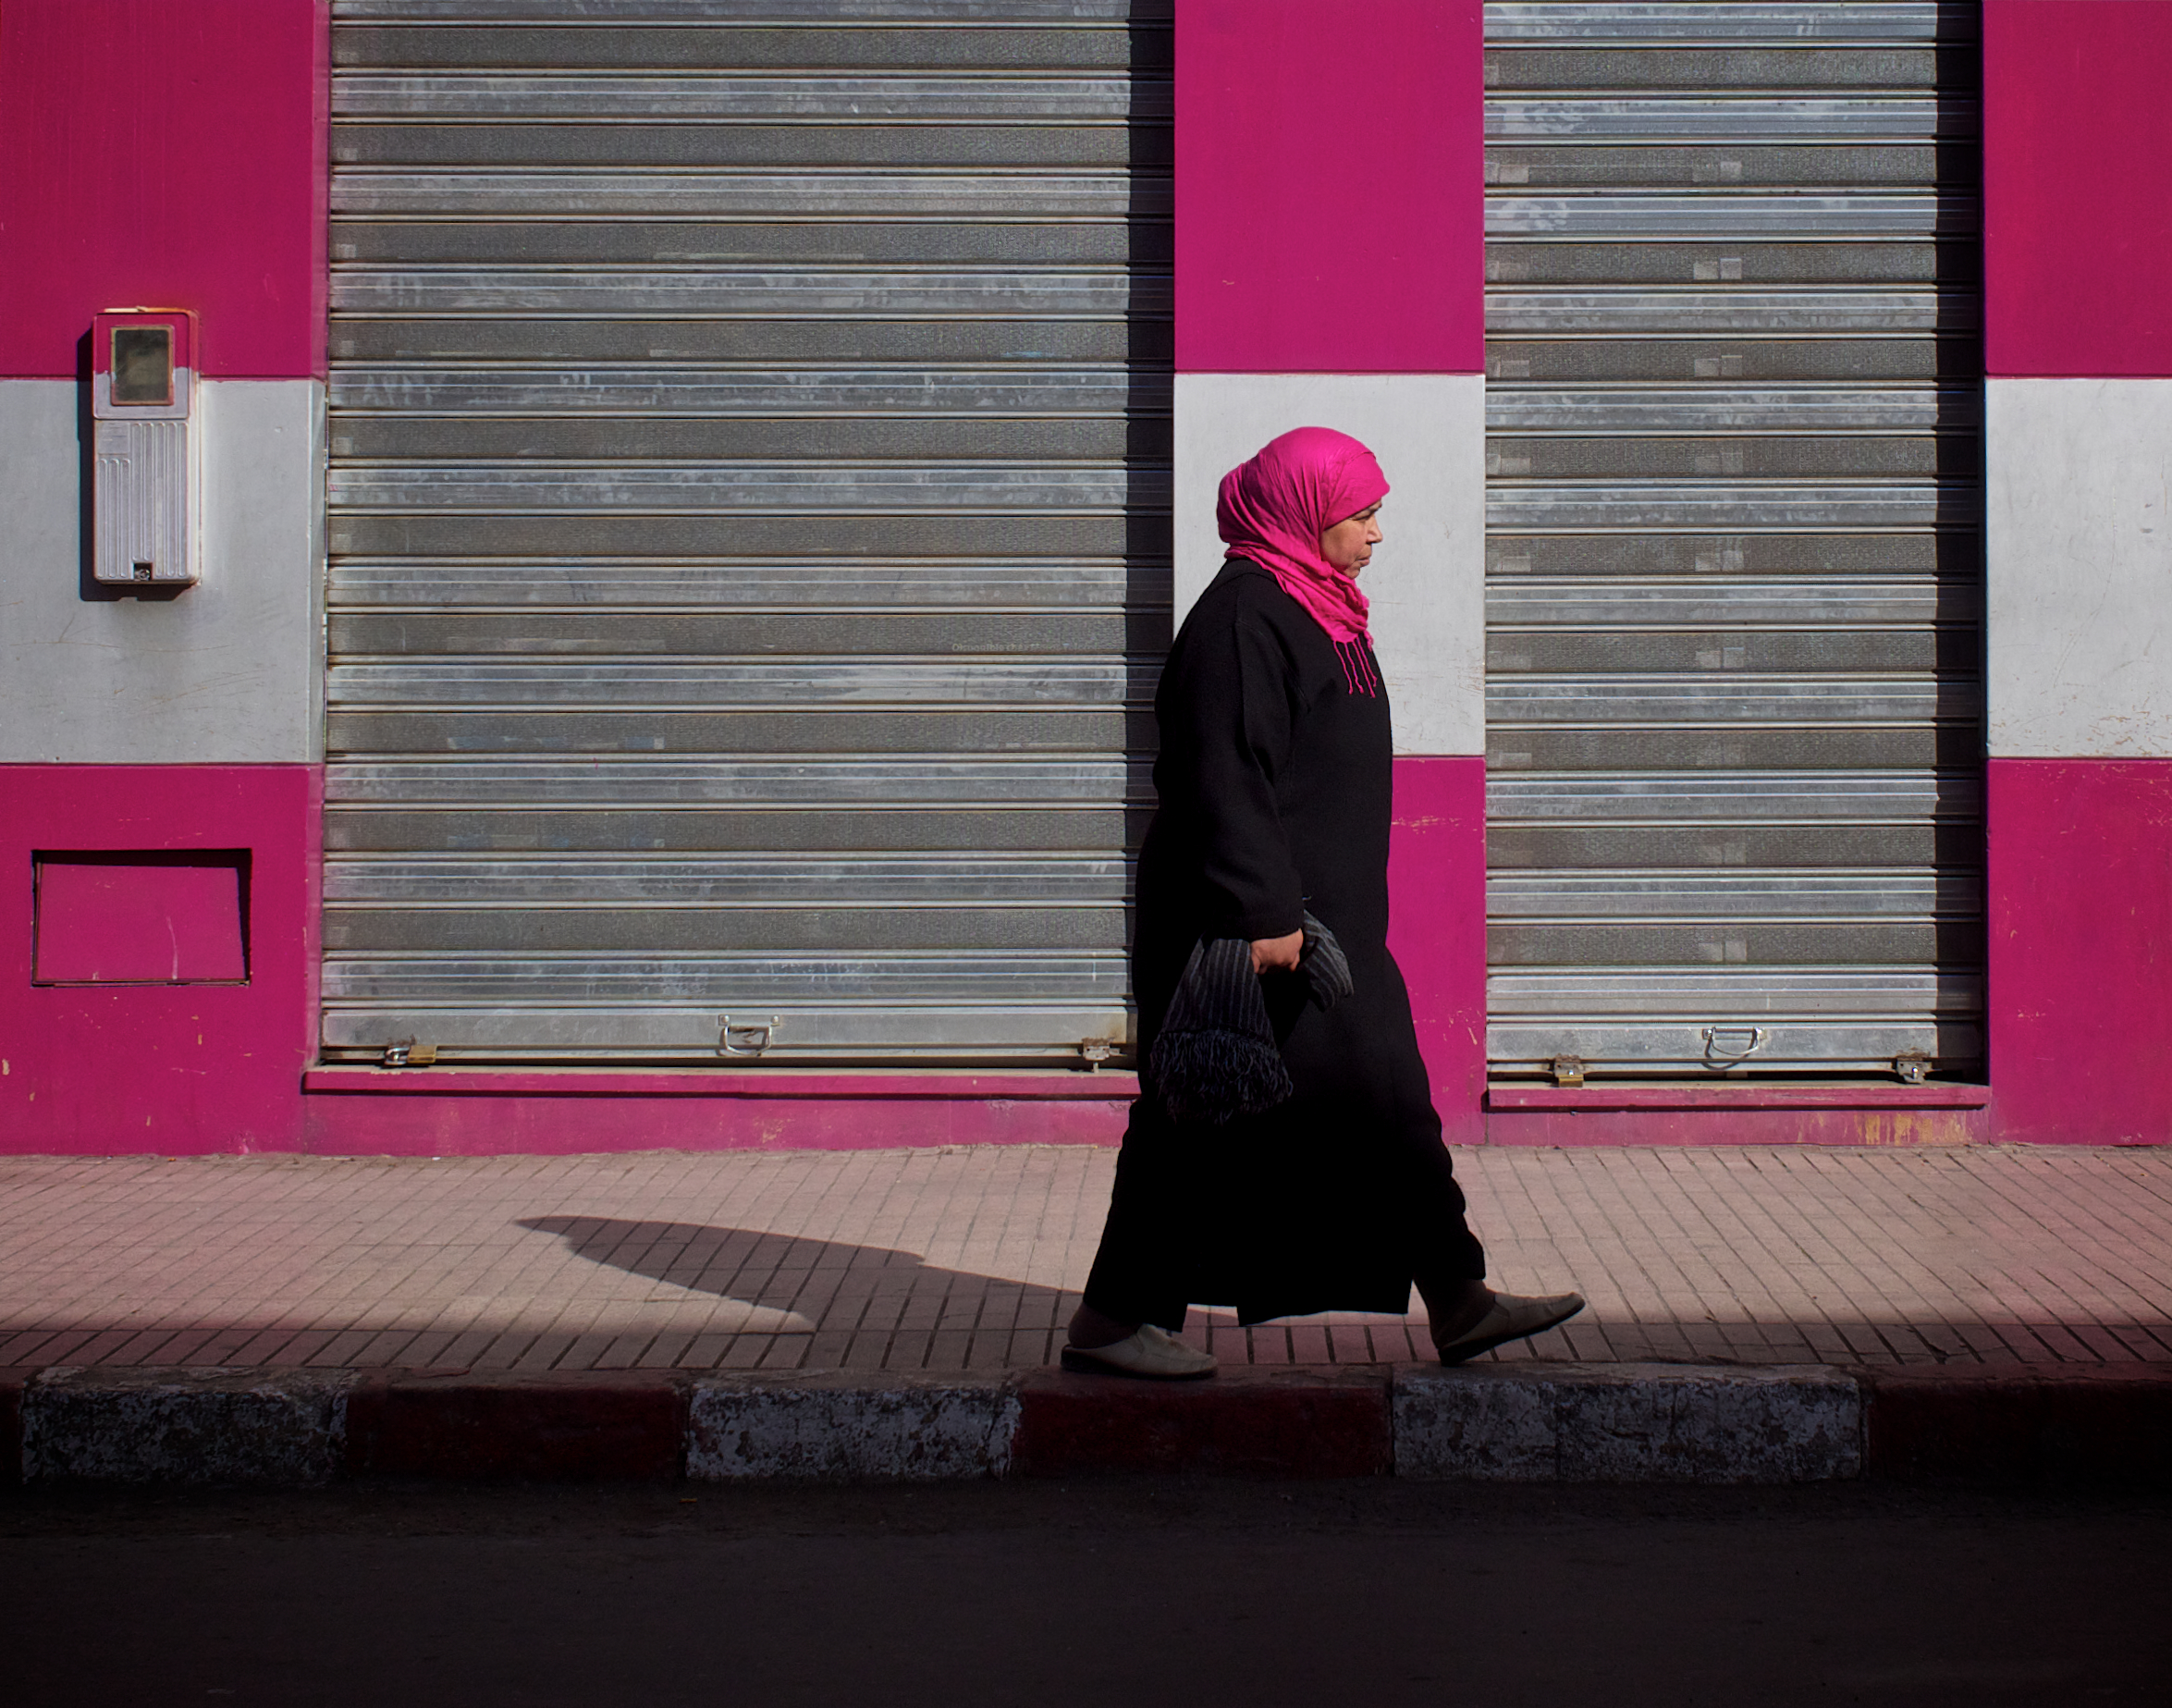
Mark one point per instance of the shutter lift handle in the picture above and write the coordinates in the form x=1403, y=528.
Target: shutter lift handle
x=1720, y=1043
x=743, y=1037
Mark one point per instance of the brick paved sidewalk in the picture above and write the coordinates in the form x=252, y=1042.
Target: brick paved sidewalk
x=970, y=1259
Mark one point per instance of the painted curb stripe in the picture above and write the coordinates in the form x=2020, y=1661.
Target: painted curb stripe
x=1495, y=1422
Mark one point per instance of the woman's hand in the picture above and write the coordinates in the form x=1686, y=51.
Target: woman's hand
x=1277, y=954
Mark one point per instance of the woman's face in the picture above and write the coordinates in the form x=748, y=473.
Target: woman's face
x=1348, y=544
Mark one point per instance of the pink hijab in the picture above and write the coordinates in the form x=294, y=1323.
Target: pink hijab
x=1274, y=509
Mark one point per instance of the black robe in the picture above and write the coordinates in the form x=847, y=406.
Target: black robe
x=1274, y=779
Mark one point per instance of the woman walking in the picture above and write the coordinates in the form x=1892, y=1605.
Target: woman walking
x=1274, y=785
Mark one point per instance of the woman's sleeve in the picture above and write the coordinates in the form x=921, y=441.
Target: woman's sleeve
x=1227, y=716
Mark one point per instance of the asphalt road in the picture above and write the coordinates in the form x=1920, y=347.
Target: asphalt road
x=1117, y=1595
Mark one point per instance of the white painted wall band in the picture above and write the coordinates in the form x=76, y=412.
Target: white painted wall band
x=227, y=672
x=1427, y=581
x=2079, y=568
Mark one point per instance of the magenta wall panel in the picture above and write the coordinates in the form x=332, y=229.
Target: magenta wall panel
x=1437, y=928
x=2079, y=906
x=1330, y=187
x=118, y=921
x=170, y=154
x=102, y=1068
x=2078, y=187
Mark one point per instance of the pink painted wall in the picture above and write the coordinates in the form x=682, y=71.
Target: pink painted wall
x=1330, y=187
x=2078, y=187
x=1437, y=928
x=2079, y=904
x=92, y=1069
x=166, y=153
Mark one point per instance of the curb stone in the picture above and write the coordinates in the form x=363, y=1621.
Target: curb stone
x=1524, y=1421
x=1628, y=1423
x=835, y=1425
x=201, y=1424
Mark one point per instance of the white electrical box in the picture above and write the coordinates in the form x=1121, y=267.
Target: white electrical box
x=145, y=502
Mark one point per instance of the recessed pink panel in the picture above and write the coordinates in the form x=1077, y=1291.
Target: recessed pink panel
x=1437, y=928
x=108, y=922
x=1330, y=187
x=2078, y=188
x=168, y=155
x=2079, y=896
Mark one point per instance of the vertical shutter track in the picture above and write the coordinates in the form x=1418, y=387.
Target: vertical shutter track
x=1733, y=545
x=749, y=526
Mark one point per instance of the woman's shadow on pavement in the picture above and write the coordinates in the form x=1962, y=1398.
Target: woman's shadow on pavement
x=794, y=1285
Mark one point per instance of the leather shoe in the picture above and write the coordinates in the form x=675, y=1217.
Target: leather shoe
x=1507, y=1317
x=1145, y=1351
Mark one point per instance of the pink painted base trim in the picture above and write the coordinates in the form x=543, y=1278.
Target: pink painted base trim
x=2079, y=914
x=1585, y=1129
x=1749, y=1094
x=455, y=1125
x=778, y=1083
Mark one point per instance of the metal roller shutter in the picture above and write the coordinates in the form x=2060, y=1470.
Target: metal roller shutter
x=1733, y=555
x=749, y=526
